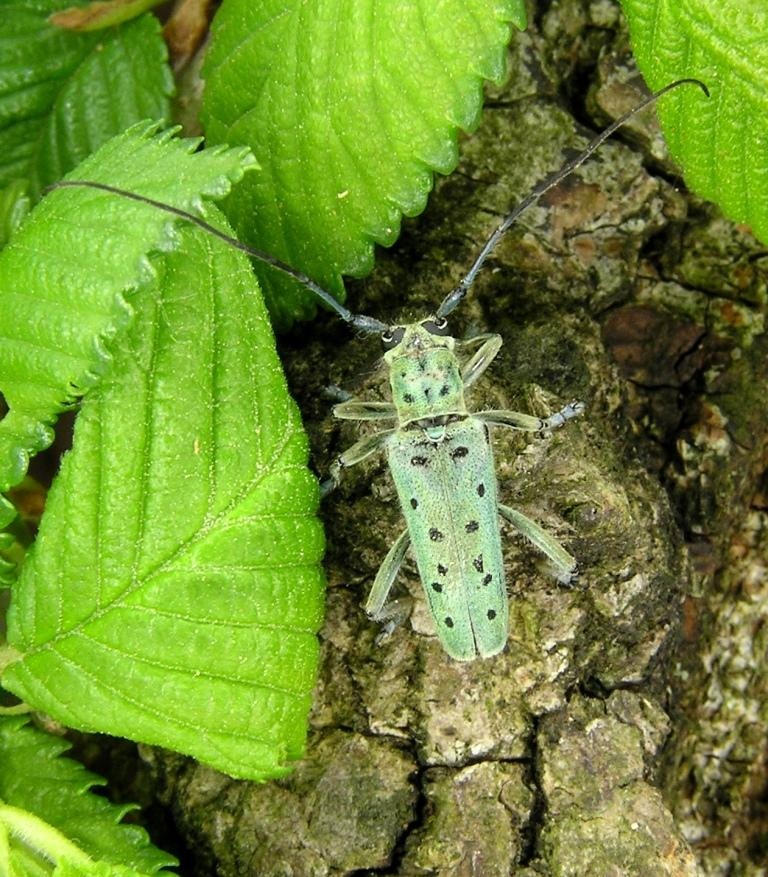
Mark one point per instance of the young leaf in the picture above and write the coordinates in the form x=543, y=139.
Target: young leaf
x=349, y=108
x=64, y=94
x=8, y=547
x=721, y=143
x=174, y=591
x=64, y=277
x=36, y=779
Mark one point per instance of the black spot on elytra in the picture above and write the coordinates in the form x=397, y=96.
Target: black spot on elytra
x=472, y=527
x=481, y=490
x=444, y=390
x=488, y=579
x=419, y=461
x=458, y=453
x=443, y=570
x=435, y=535
x=478, y=563
x=408, y=398
x=449, y=621
x=436, y=586
x=414, y=502
x=491, y=614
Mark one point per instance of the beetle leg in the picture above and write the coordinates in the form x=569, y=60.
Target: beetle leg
x=528, y=423
x=356, y=409
x=491, y=344
x=385, y=577
x=565, y=564
x=359, y=451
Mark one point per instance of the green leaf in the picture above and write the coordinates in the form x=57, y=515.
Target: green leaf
x=174, y=591
x=349, y=108
x=35, y=779
x=63, y=94
x=10, y=554
x=14, y=206
x=721, y=143
x=65, y=275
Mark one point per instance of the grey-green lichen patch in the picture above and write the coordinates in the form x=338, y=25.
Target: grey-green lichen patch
x=643, y=714
x=721, y=745
x=477, y=817
x=602, y=816
x=716, y=257
x=343, y=808
x=362, y=685
x=635, y=835
x=469, y=713
x=358, y=797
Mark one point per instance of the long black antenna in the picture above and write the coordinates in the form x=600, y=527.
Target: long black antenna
x=358, y=321
x=451, y=301
x=455, y=296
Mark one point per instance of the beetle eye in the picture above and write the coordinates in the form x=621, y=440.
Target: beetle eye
x=392, y=337
x=438, y=326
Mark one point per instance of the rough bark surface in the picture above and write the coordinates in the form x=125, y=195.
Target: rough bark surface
x=623, y=731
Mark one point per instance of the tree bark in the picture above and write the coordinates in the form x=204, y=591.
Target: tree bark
x=622, y=731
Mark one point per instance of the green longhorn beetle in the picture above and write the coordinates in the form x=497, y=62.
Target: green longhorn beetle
x=439, y=452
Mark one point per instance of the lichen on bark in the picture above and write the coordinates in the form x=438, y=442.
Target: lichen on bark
x=621, y=732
